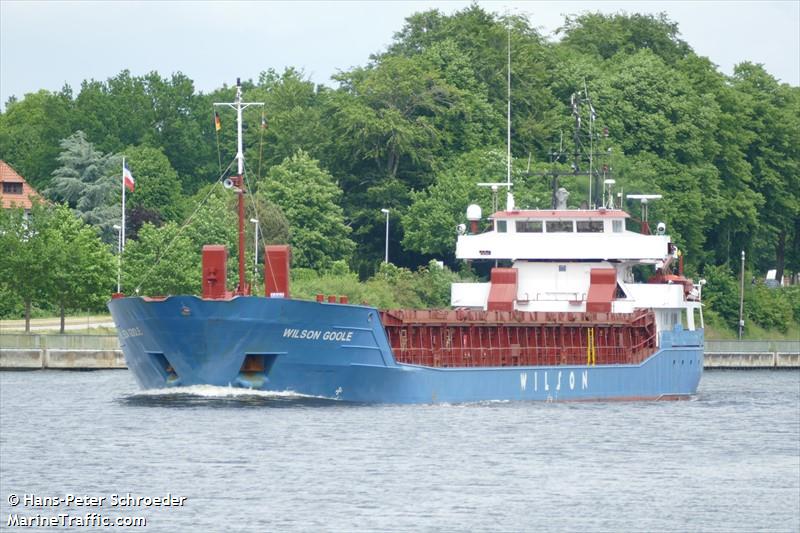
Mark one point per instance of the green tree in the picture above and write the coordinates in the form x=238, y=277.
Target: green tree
x=384, y=114
x=481, y=38
x=81, y=268
x=273, y=225
x=605, y=36
x=431, y=220
x=158, y=188
x=30, y=131
x=294, y=119
x=773, y=152
x=24, y=247
x=213, y=219
x=162, y=261
x=768, y=308
x=154, y=111
x=115, y=113
x=465, y=54
x=721, y=294
x=89, y=182
x=738, y=210
x=180, y=119
x=308, y=197
x=393, y=121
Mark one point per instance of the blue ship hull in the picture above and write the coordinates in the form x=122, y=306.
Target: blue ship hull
x=341, y=351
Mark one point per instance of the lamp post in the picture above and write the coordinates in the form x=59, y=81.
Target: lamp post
x=118, y=229
x=255, y=250
x=741, y=300
x=386, y=212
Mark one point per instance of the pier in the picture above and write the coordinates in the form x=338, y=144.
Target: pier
x=19, y=351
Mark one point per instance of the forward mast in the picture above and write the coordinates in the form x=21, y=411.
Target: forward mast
x=237, y=182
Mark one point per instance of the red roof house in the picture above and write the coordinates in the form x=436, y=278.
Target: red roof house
x=14, y=190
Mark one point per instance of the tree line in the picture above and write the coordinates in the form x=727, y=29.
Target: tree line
x=413, y=131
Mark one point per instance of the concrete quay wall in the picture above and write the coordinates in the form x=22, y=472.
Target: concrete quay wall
x=85, y=352
x=754, y=360
x=21, y=359
x=33, y=359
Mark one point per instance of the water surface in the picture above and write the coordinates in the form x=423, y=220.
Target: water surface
x=728, y=460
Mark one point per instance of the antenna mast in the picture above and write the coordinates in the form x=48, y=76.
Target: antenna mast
x=591, y=142
x=578, y=99
x=507, y=184
x=238, y=181
x=509, y=196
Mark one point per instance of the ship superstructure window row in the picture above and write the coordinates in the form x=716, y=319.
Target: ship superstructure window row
x=559, y=226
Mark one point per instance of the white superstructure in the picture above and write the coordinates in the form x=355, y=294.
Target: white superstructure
x=575, y=260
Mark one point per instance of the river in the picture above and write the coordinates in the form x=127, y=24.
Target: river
x=227, y=460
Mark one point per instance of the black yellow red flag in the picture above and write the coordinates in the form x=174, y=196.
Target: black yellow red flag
x=217, y=123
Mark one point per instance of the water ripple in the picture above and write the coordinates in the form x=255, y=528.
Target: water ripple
x=253, y=461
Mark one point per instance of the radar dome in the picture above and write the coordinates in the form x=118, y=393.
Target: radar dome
x=473, y=212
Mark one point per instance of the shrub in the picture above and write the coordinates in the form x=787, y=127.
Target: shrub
x=392, y=287
x=769, y=308
x=721, y=294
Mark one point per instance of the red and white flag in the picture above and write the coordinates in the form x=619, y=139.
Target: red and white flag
x=127, y=178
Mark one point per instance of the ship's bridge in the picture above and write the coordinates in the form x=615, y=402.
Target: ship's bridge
x=568, y=234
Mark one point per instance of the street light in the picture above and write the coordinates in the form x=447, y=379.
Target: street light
x=386, y=212
x=741, y=299
x=119, y=254
x=255, y=251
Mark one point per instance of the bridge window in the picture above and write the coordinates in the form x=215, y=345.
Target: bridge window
x=529, y=226
x=617, y=226
x=589, y=226
x=501, y=226
x=559, y=226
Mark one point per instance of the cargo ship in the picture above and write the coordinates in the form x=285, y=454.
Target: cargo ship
x=563, y=319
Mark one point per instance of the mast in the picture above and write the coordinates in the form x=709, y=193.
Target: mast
x=122, y=222
x=509, y=196
x=238, y=181
x=591, y=143
x=507, y=184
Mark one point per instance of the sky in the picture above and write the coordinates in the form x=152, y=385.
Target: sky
x=47, y=44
